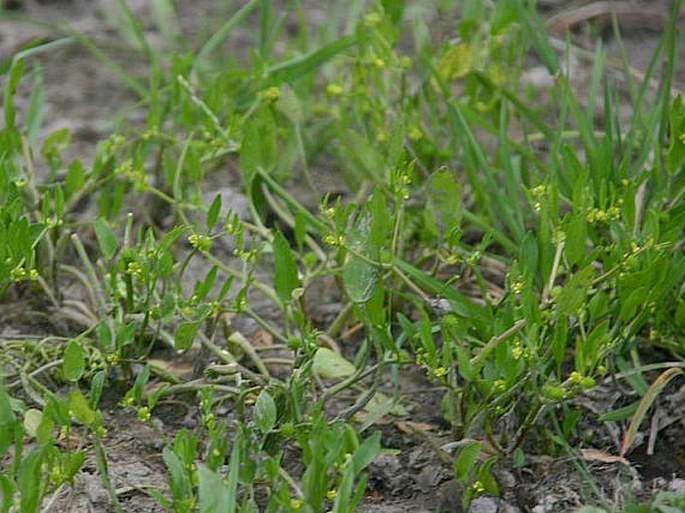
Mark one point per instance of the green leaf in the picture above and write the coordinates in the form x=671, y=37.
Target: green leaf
x=528, y=254
x=180, y=482
x=466, y=459
x=32, y=420
x=75, y=179
x=456, y=62
x=329, y=364
x=635, y=300
x=300, y=66
x=291, y=107
x=367, y=452
x=444, y=200
x=394, y=9
x=285, y=269
x=535, y=29
x=250, y=155
x=225, y=30
x=7, y=421
x=34, y=113
x=72, y=463
x=359, y=275
x=576, y=233
x=213, y=212
x=104, y=335
x=619, y=413
x=15, y=75
x=265, y=412
x=185, y=334
x=7, y=489
x=55, y=144
x=381, y=222
x=80, y=410
x=676, y=149
x=29, y=480
x=97, y=384
x=168, y=239
x=572, y=296
x=378, y=407
x=212, y=491
x=488, y=481
x=106, y=239
x=74, y=361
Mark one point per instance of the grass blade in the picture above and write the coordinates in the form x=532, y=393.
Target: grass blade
x=299, y=66
x=220, y=35
x=647, y=401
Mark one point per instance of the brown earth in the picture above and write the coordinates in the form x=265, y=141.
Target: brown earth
x=416, y=475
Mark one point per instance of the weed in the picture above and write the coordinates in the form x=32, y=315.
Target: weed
x=515, y=278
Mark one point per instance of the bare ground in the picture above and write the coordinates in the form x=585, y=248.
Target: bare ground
x=83, y=95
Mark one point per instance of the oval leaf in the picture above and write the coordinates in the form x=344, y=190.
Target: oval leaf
x=285, y=269
x=265, y=412
x=329, y=364
x=74, y=361
x=106, y=239
x=464, y=462
x=185, y=334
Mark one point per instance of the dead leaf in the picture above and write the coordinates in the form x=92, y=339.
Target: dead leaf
x=262, y=338
x=172, y=371
x=602, y=457
x=410, y=428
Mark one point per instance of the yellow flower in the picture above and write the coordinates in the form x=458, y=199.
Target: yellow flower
x=271, y=94
x=415, y=133
x=334, y=89
x=373, y=19
x=439, y=372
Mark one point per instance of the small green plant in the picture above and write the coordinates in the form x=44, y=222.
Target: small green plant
x=514, y=277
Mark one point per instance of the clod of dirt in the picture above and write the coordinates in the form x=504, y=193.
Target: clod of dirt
x=491, y=505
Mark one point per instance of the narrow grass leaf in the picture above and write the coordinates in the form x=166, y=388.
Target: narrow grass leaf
x=34, y=113
x=15, y=75
x=535, y=29
x=459, y=303
x=619, y=413
x=220, y=35
x=213, y=212
x=645, y=403
x=299, y=66
x=119, y=71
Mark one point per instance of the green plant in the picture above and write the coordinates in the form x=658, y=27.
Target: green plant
x=514, y=277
